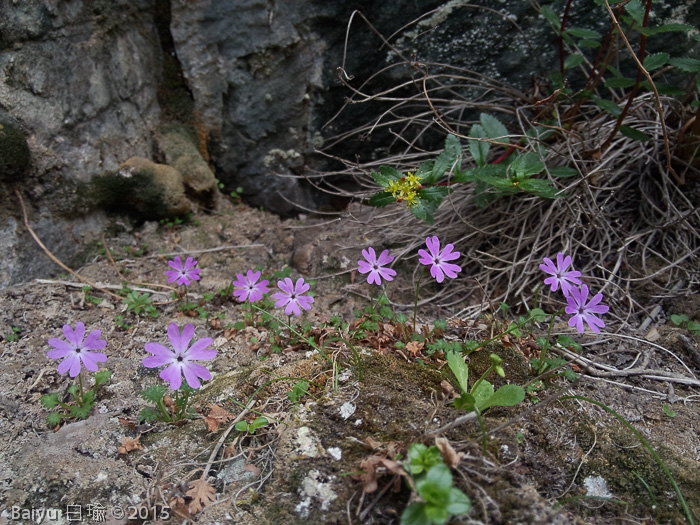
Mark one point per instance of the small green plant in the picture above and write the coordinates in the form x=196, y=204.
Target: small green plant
x=432, y=482
x=682, y=321
x=138, y=304
x=244, y=426
x=13, y=336
x=172, y=412
x=299, y=390
x=121, y=324
x=89, y=298
x=84, y=400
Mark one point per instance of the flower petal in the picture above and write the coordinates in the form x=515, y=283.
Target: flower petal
x=173, y=375
x=198, y=351
x=61, y=349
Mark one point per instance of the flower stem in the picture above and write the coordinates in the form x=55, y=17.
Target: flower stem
x=79, y=397
x=415, y=303
x=545, y=346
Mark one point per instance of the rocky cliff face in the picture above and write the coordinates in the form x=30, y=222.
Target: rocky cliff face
x=237, y=90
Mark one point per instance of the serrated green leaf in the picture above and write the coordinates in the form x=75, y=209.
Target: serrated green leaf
x=49, y=401
x=619, y=83
x=479, y=150
x=636, y=10
x=608, y=105
x=298, y=391
x=506, y=396
x=525, y=166
x=493, y=128
x=149, y=415
x=53, y=419
x=434, y=193
x=538, y=315
x=424, y=210
x=563, y=172
x=102, y=377
x=540, y=187
x=655, y=61
x=573, y=61
x=691, y=65
x=488, y=173
x=446, y=160
x=551, y=17
x=154, y=394
x=459, y=369
x=580, y=32
x=386, y=175
x=634, y=134
x=80, y=412
x=381, y=199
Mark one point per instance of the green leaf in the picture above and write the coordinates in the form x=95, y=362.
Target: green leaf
x=80, y=412
x=664, y=89
x=422, y=458
x=49, y=401
x=482, y=393
x=53, y=419
x=424, y=210
x=636, y=10
x=298, y=391
x=102, y=377
x=526, y=165
x=667, y=28
x=655, y=61
x=386, y=175
x=634, y=134
x=693, y=327
x=434, y=193
x=478, y=150
x=446, y=160
x=414, y=514
x=381, y=199
x=608, y=105
x=691, y=65
x=563, y=172
x=541, y=188
x=458, y=503
x=459, y=369
x=589, y=44
x=150, y=415
x=259, y=422
x=538, y=315
x=435, y=486
x=465, y=402
x=580, y=32
x=678, y=320
x=506, y=396
x=573, y=61
x=567, y=342
x=493, y=128
x=619, y=83
x=154, y=394
x=241, y=426
x=551, y=17
x=436, y=513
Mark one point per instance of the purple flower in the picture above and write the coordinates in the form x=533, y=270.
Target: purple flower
x=439, y=267
x=559, y=275
x=585, y=311
x=180, y=361
x=291, y=296
x=183, y=274
x=76, y=351
x=375, y=266
x=248, y=288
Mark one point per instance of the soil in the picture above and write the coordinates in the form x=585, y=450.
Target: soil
x=555, y=458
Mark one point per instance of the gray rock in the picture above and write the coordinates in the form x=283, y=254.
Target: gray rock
x=14, y=151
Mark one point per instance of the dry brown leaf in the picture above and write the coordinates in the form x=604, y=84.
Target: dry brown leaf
x=129, y=445
x=373, y=443
x=415, y=347
x=127, y=423
x=217, y=416
x=373, y=467
x=179, y=508
x=448, y=390
x=202, y=494
x=449, y=455
x=249, y=467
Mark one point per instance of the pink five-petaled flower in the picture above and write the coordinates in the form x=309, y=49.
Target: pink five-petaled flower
x=439, y=267
x=76, y=351
x=180, y=360
x=559, y=275
x=375, y=266
x=585, y=311
x=183, y=274
x=292, y=296
x=248, y=288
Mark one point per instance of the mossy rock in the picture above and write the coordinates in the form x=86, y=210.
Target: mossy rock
x=14, y=151
x=143, y=189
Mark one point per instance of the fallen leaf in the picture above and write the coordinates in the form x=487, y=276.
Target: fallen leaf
x=217, y=416
x=375, y=466
x=202, y=494
x=127, y=423
x=178, y=507
x=449, y=455
x=415, y=347
x=129, y=445
x=249, y=467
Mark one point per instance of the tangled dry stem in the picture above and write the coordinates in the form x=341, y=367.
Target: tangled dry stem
x=632, y=231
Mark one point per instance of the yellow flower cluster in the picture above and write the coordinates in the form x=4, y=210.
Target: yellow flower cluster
x=405, y=189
